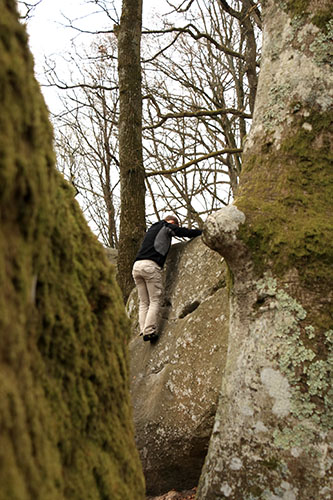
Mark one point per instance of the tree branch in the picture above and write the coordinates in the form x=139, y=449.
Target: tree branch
x=161, y=51
x=29, y=7
x=255, y=12
x=179, y=8
x=227, y=8
x=197, y=114
x=197, y=35
x=79, y=86
x=193, y=162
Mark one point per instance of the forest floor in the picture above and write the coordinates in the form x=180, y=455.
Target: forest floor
x=176, y=495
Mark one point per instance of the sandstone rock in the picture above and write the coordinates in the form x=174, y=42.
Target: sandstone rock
x=65, y=416
x=175, y=382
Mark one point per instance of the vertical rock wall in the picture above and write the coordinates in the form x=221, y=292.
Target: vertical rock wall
x=175, y=382
x=65, y=415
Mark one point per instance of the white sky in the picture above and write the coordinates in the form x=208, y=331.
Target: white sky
x=50, y=36
x=48, y=29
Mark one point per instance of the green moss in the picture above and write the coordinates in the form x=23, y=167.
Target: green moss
x=271, y=464
x=294, y=8
x=301, y=10
x=286, y=195
x=322, y=19
x=255, y=491
x=65, y=412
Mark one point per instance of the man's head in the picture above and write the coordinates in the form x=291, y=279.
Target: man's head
x=172, y=219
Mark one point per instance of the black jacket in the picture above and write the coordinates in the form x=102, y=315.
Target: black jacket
x=157, y=241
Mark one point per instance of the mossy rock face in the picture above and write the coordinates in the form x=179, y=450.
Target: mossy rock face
x=286, y=187
x=289, y=222
x=65, y=413
x=318, y=11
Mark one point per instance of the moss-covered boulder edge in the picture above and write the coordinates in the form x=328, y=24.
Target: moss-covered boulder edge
x=65, y=413
x=293, y=229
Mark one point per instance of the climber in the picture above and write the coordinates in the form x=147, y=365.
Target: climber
x=147, y=270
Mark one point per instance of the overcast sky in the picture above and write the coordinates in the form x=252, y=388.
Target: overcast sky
x=50, y=36
x=47, y=28
x=48, y=31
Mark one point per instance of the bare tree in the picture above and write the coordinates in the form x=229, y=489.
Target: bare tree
x=199, y=100
x=87, y=136
x=132, y=175
x=26, y=9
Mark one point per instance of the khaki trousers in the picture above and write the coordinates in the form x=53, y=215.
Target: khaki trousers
x=148, y=279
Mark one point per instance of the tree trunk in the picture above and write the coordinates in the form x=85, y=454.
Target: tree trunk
x=250, y=53
x=271, y=438
x=132, y=187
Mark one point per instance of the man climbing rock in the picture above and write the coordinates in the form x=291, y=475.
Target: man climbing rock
x=147, y=270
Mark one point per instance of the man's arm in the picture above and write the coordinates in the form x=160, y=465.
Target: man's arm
x=184, y=231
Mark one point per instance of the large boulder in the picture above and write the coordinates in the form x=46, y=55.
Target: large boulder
x=175, y=382
x=65, y=416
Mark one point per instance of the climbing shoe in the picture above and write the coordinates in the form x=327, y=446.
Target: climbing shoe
x=152, y=337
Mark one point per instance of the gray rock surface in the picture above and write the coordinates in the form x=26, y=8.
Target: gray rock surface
x=175, y=382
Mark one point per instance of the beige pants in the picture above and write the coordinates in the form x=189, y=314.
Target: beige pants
x=148, y=279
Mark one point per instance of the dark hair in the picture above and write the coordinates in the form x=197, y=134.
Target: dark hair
x=173, y=218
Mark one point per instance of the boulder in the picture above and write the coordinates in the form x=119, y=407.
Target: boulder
x=65, y=412
x=175, y=382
